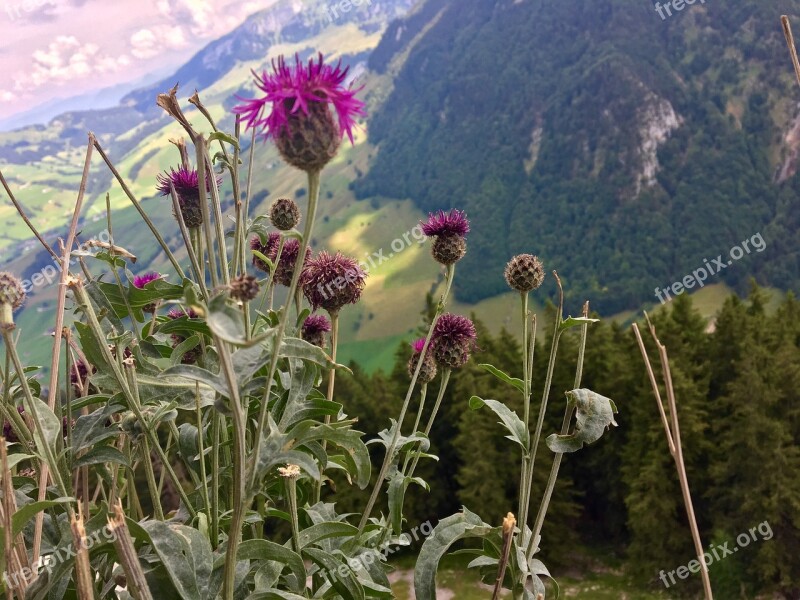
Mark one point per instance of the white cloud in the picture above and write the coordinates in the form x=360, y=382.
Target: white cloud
x=65, y=59
x=151, y=41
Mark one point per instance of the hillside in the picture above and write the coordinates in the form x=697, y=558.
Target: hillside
x=623, y=148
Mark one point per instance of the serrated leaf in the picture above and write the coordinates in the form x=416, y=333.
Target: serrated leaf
x=594, y=414
x=508, y=418
x=347, y=586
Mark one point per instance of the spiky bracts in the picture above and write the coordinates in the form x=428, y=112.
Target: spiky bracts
x=454, y=339
x=314, y=329
x=331, y=281
x=427, y=371
x=449, y=231
x=187, y=188
x=302, y=101
x=284, y=214
x=287, y=262
x=524, y=273
x=244, y=288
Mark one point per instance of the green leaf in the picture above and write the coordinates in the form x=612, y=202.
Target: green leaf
x=326, y=530
x=457, y=527
x=517, y=383
x=222, y=136
x=50, y=424
x=25, y=513
x=274, y=594
x=508, y=418
x=101, y=454
x=163, y=389
x=356, y=452
x=595, y=413
x=200, y=375
x=571, y=322
x=266, y=550
x=347, y=586
x=186, y=555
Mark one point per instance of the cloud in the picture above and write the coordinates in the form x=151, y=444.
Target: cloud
x=66, y=59
x=149, y=42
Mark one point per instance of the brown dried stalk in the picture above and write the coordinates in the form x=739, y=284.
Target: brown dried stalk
x=83, y=567
x=787, y=32
x=509, y=524
x=674, y=441
x=126, y=553
x=16, y=554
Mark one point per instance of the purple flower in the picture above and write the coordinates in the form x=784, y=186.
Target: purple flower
x=142, y=280
x=332, y=281
x=453, y=223
x=287, y=261
x=418, y=345
x=448, y=229
x=291, y=90
x=187, y=188
x=268, y=249
x=454, y=339
x=427, y=372
x=314, y=329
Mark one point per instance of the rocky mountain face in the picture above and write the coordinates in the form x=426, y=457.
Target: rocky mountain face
x=621, y=147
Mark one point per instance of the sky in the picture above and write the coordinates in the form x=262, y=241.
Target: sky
x=52, y=49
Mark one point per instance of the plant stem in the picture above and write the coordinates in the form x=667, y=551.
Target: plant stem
x=215, y=424
x=159, y=238
x=551, y=482
x=239, y=496
x=291, y=491
x=393, y=445
x=442, y=387
x=543, y=406
x=331, y=381
x=313, y=197
x=202, y=176
x=97, y=331
x=268, y=286
x=423, y=392
x=526, y=402
x=201, y=449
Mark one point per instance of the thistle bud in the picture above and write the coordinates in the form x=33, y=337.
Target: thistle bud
x=12, y=295
x=427, y=371
x=244, y=288
x=524, y=273
x=284, y=214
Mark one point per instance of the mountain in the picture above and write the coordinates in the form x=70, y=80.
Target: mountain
x=108, y=97
x=622, y=148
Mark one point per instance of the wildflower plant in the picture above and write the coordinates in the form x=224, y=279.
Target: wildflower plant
x=224, y=409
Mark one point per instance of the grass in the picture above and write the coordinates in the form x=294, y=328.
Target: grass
x=463, y=583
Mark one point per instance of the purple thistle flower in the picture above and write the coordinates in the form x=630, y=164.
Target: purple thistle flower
x=332, y=281
x=454, y=339
x=293, y=89
x=177, y=313
x=314, y=329
x=287, y=261
x=448, y=229
x=427, y=372
x=187, y=188
x=453, y=223
x=268, y=249
x=142, y=280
